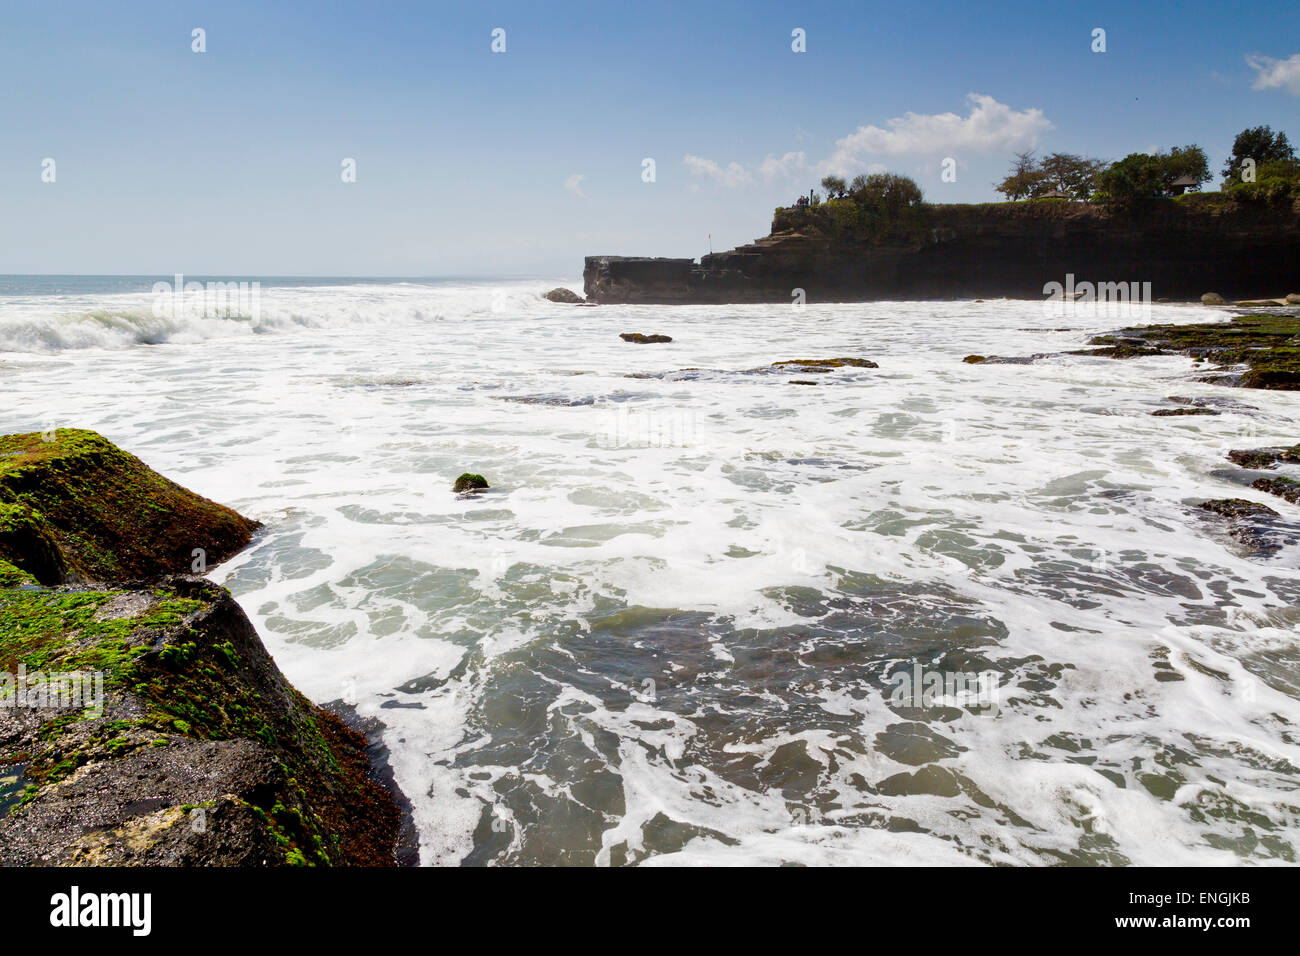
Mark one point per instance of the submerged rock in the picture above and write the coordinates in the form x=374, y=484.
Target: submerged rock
x=1238, y=508
x=1185, y=410
x=1257, y=526
x=566, y=296
x=1004, y=359
x=1286, y=488
x=641, y=339
x=468, y=483
x=1267, y=346
x=826, y=364
x=1264, y=457
x=562, y=401
x=143, y=722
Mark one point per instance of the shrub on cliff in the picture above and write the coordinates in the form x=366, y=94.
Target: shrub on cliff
x=1029, y=178
x=877, y=208
x=1140, y=176
x=836, y=188
x=1257, y=145
x=890, y=207
x=886, y=191
x=1276, y=182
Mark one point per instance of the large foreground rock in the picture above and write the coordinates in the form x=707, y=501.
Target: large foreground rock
x=143, y=721
x=75, y=508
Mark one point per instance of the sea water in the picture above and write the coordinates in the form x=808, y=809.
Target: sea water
x=676, y=628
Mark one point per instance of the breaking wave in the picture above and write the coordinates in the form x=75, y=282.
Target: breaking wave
x=61, y=322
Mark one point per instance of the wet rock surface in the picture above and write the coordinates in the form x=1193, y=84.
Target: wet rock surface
x=469, y=482
x=1264, y=457
x=144, y=722
x=825, y=364
x=1261, y=529
x=1266, y=346
x=1287, y=489
x=566, y=296
x=74, y=508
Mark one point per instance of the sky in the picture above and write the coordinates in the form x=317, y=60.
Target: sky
x=474, y=162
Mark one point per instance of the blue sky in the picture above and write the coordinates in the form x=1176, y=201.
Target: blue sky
x=474, y=162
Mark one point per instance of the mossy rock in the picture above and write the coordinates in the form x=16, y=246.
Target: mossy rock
x=469, y=482
x=1261, y=529
x=78, y=509
x=1264, y=457
x=826, y=364
x=185, y=697
x=1268, y=345
x=1238, y=508
x=193, y=703
x=566, y=296
x=1287, y=489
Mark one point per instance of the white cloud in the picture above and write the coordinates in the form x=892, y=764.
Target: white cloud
x=733, y=174
x=991, y=127
x=778, y=168
x=574, y=184
x=1271, y=74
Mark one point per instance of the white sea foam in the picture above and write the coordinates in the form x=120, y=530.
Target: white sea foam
x=662, y=636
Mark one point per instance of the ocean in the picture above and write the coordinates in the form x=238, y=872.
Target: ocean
x=931, y=612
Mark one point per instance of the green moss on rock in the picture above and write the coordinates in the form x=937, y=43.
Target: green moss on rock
x=186, y=696
x=184, y=673
x=826, y=364
x=77, y=508
x=1287, y=489
x=469, y=482
x=1268, y=345
x=1264, y=457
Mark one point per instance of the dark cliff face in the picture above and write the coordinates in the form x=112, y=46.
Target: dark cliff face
x=1183, y=248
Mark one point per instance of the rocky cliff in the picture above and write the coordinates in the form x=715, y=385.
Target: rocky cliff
x=142, y=720
x=1183, y=247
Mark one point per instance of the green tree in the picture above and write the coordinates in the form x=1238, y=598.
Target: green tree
x=1260, y=144
x=836, y=188
x=1025, y=179
x=888, y=192
x=1136, y=176
x=1141, y=176
x=1187, y=161
x=1276, y=181
x=1076, y=176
